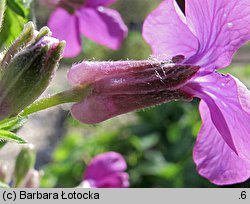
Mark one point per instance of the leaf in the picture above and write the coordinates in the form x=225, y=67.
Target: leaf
x=11, y=28
x=17, y=8
x=3, y=185
x=12, y=123
x=20, y=7
x=12, y=137
x=16, y=15
x=2, y=143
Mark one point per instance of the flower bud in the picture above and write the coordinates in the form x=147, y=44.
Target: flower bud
x=3, y=172
x=27, y=72
x=32, y=179
x=121, y=87
x=24, y=162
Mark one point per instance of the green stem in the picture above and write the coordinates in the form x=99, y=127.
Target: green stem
x=73, y=95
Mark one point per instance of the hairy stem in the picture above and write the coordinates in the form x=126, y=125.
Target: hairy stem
x=73, y=95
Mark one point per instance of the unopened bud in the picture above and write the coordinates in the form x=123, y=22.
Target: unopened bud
x=27, y=72
x=3, y=172
x=24, y=162
x=32, y=179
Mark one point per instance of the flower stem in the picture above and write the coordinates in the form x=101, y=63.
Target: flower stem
x=73, y=95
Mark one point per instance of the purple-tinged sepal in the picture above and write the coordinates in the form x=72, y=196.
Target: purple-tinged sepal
x=124, y=86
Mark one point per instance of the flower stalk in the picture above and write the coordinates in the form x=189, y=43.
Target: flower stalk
x=69, y=96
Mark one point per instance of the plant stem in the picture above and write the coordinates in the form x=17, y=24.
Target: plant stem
x=73, y=95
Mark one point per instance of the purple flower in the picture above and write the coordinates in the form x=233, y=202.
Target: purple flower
x=106, y=171
x=91, y=18
x=208, y=36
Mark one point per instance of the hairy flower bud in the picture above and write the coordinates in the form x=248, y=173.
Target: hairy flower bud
x=32, y=179
x=27, y=69
x=24, y=162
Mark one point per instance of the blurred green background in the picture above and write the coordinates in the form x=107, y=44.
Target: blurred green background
x=156, y=142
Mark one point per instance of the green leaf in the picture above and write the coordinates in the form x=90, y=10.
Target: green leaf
x=3, y=185
x=12, y=123
x=11, y=28
x=16, y=15
x=2, y=143
x=16, y=7
x=20, y=7
x=12, y=137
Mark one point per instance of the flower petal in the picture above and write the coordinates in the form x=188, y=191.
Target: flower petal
x=221, y=28
x=60, y=20
x=105, y=165
x=104, y=26
x=167, y=33
x=228, y=101
x=215, y=160
x=95, y=3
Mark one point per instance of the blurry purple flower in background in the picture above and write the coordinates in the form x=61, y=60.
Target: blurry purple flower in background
x=208, y=35
x=91, y=18
x=106, y=170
